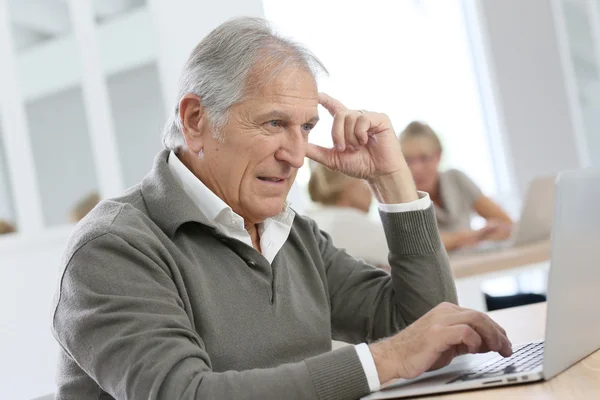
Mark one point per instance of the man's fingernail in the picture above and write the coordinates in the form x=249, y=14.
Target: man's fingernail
x=339, y=147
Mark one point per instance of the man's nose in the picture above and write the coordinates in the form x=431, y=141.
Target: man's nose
x=293, y=149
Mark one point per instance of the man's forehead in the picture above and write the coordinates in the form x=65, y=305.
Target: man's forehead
x=292, y=83
x=291, y=98
x=289, y=101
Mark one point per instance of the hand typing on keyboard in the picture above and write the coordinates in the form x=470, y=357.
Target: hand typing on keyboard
x=435, y=339
x=525, y=358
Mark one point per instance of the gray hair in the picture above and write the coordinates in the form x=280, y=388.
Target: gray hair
x=217, y=70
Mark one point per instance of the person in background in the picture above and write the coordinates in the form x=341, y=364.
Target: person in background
x=456, y=197
x=6, y=227
x=84, y=206
x=344, y=204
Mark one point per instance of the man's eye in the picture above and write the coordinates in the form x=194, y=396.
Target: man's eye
x=275, y=123
x=307, y=127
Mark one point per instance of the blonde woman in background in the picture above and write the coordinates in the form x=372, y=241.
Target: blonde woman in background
x=342, y=211
x=456, y=198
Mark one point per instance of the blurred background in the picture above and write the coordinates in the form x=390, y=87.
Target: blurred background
x=512, y=87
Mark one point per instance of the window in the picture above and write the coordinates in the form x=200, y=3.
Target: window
x=410, y=59
x=71, y=66
x=62, y=153
x=138, y=113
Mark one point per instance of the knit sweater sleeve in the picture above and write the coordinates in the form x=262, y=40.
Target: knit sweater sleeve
x=367, y=303
x=120, y=318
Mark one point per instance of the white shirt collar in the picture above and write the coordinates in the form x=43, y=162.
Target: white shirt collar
x=209, y=204
x=216, y=213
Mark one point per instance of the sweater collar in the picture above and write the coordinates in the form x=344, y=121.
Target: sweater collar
x=168, y=204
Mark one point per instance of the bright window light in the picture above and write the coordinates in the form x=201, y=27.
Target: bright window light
x=407, y=58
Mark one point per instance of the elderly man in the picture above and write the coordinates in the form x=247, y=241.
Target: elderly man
x=201, y=282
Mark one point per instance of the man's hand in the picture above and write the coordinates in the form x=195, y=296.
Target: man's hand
x=435, y=339
x=366, y=147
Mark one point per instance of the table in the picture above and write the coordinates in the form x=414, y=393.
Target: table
x=467, y=265
x=470, y=271
x=525, y=324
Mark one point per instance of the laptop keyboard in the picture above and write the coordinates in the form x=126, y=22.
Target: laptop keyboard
x=525, y=358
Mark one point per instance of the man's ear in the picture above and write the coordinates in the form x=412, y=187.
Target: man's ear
x=192, y=117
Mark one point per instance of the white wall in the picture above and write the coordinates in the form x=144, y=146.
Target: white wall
x=531, y=87
x=590, y=104
x=62, y=152
x=29, y=270
x=582, y=26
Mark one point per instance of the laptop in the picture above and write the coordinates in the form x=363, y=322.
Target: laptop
x=572, y=321
x=535, y=221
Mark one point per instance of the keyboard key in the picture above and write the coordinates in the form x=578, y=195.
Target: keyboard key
x=524, y=358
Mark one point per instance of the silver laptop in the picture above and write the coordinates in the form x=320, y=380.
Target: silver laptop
x=535, y=221
x=572, y=321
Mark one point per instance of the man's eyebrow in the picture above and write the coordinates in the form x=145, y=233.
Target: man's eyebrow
x=274, y=114
x=314, y=120
x=278, y=114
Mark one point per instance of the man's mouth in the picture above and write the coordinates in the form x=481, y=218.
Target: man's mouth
x=272, y=179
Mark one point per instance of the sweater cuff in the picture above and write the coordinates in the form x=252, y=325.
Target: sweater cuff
x=422, y=204
x=411, y=233
x=338, y=375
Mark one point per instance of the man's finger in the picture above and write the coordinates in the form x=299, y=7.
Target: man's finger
x=350, y=135
x=500, y=327
x=338, y=133
x=332, y=105
x=489, y=330
x=320, y=154
x=362, y=128
x=484, y=325
x=457, y=335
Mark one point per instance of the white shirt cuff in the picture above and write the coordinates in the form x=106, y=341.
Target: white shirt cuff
x=368, y=364
x=422, y=204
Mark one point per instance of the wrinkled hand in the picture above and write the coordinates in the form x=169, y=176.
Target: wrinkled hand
x=365, y=145
x=432, y=341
